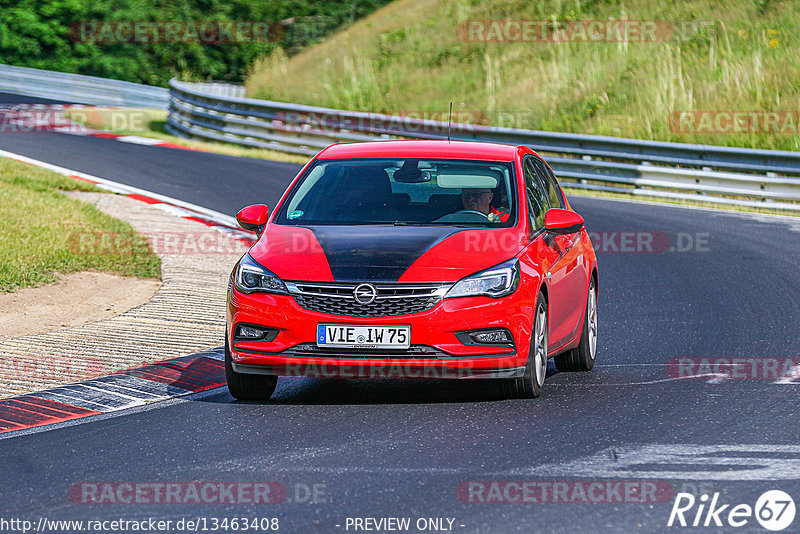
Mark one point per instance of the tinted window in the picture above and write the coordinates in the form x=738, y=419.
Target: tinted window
x=402, y=191
x=537, y=202
x=553, y=191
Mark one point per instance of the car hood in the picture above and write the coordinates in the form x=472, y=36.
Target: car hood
x=383, y=253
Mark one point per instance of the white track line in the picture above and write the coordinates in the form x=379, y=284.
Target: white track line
x=116, y=187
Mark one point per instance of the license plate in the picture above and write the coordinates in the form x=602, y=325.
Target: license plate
x=347, y=336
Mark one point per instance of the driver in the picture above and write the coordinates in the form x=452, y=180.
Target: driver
x=481, y=200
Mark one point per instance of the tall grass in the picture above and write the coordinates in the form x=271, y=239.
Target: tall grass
x=743, y=56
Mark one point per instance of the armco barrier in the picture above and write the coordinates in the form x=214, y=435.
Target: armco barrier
x=79, y=89
x=722, y=175
x=219, y=112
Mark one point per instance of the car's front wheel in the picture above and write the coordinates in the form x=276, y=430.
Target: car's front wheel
x=531, y=383
x=582, y=358
x=247, y=387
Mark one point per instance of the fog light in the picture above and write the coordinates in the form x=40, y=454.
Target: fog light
x=248, y=332
x=491, y=336
x=488, y=336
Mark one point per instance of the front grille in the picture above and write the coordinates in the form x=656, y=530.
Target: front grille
x=390, y=299
x=338, y=306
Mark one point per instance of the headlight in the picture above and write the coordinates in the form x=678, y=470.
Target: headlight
x=499, y=281
x=252, y=277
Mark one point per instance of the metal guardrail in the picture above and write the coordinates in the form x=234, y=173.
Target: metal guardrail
x=217, y=88
x=79, y=89
x=722, y=175
x=219, y=112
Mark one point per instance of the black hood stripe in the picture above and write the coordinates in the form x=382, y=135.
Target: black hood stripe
x=378, y=254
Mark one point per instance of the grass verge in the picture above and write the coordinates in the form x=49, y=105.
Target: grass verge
x=414, y=56
x=39, y=225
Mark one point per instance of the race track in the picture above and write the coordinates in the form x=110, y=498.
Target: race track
x=403, y=448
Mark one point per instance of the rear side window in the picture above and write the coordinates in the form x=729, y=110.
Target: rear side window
x=537, y=202
x=549, y=180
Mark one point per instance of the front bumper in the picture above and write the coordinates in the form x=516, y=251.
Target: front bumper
x=341, y=369
x=436, y=351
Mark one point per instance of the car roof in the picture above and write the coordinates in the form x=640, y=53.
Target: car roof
x=421, y=149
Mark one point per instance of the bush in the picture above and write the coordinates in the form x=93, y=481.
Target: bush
x=37, y=33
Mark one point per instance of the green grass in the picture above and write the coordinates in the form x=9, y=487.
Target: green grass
x=151, y=123
x=407, y=56
x=39, y=226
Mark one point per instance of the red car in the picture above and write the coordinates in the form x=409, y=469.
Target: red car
x=425, y=259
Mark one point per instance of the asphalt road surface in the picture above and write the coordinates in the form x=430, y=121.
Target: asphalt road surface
x=725, y=286
x=10, y=98
x=222, y=183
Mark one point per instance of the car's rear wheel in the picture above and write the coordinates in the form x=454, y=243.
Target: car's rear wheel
x=583, y=357
x=247, y=387
x=531, y=383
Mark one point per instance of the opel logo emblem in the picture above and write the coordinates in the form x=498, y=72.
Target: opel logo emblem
x=365, y=293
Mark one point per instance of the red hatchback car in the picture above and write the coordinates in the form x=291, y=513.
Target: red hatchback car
x=425, y=259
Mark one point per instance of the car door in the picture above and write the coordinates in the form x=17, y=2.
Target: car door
x=540, y=250
x=568, y=271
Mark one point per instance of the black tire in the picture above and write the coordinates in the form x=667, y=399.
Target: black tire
x=245, y=386
x=583, y=357
x=531, y=383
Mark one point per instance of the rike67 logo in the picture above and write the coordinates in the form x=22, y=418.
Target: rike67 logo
x=774, y=510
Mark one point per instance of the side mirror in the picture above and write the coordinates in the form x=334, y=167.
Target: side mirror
x=253, y=218
x=559, y=222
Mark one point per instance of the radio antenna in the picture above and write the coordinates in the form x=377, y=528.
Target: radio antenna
x=449, y=121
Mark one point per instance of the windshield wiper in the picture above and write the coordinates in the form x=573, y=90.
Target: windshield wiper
x=433, y=223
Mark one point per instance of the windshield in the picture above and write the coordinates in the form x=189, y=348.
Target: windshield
x=403, y=191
